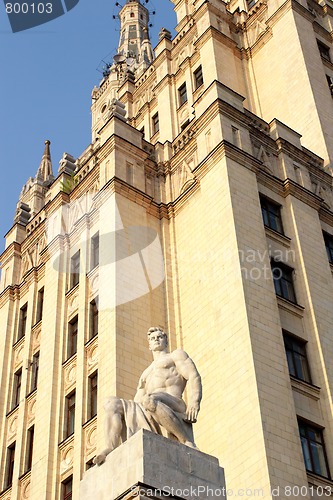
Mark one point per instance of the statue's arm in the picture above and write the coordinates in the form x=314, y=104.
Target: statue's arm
x=141, y=389
x=188, y=370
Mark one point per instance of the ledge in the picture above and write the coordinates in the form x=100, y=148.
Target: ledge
x=324, y=482
x=278, y=237
x=305, y=388
x=285, y=304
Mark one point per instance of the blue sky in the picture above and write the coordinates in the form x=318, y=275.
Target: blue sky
x=47, y=74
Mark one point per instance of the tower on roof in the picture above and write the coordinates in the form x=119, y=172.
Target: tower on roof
x=134, y=41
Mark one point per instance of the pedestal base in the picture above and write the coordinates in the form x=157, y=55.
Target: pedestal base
x=149, y=466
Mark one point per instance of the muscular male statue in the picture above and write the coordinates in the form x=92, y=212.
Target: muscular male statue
x=158, y=402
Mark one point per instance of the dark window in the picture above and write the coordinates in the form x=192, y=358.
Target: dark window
x=22, y=321
x=324, y=51
x=271, y=214
x=70, y=414
x=93, y=326
x=93, y=395
x=182, y=92
x=72, y=336
x=95, y=251
x=198, y=78
x=313, y=449
x=29, y=448
x=156, y=123
x=296, y=357
x=328, y=238
x=90, y=464
x=40, y=305
x=283, y=281
x=67, y=488
x=17, y=387
x=75, y=269
x=330, y=83
x=184, y=125
x=34, y=371
x=10, y=465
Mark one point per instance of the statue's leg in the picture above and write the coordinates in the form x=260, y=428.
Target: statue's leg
x=113, y=427
x=166, y=417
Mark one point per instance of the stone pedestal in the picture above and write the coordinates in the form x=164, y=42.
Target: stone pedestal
x=149, y=466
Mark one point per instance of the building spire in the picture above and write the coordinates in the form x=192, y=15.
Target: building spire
x=134, y=41
x=44, y=171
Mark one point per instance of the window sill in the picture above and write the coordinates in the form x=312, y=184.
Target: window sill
x=88, y=422
x=69, y=360
x=278, y=237
x=182, y=105
x=289, y=306
x=18, y=342
x=155, y=136
x=38, y=323
x=12, y=411
x=90, y=341
x=305, y=388
x=317, y=480
x=6, y=489
x=31, y=393
x=25, y=474
x=72, y=290
x=67, y=440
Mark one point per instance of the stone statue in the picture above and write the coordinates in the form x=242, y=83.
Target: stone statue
x=158, y=405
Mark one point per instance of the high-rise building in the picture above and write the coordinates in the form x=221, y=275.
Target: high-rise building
x=210, y=165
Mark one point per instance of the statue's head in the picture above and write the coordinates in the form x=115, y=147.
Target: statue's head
x=152, y=332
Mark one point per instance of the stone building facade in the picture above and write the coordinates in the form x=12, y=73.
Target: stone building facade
x=210, y=165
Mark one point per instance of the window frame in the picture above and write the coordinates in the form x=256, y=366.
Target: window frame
x=324, y=50
x=182, y=94
x=155, y=123
x=271, y=214
x=93, y=318
x=23, y=320
x=34, y=371
x=198, y=77
x=286, y=281
x=17, y=386
x=10, y=464
x=72, y=336
x=40, y=305
x=328, y=240
x=292, y=355
x=93, y=391
x=67, y=495
x=75, y=269
x=29, y=448
x=70, y=414
x=94, y=256
x=308, y=455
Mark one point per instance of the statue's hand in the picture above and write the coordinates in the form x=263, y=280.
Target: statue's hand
x=192, y=413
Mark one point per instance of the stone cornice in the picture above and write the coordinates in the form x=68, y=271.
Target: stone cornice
x=302, y=194
x=320, y=30
x=12, y=250
x=212, y=32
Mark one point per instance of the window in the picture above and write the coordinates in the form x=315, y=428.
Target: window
x=34, y=371
x=283, y=281
x=40, y=304
x=75, y=269
x=182, y=93
x=184, y=125
x=324, y=51
x=67, y=488
x=330, y=83
x=156, y=123
x=271, y=214
x=22, y=321
x=328, y=238
x=93, y=324
x=70, y=414
x=29, y=448
x=296, y=357
x=93, y=395
x=72, y=336
x=95, y=251
x=198, y=78
x=313, y=448
x=90, y=464
x=9, y=465
x=17, y=388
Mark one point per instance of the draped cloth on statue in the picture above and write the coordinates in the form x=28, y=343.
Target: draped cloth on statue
x=136, y=418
